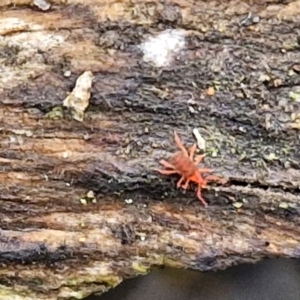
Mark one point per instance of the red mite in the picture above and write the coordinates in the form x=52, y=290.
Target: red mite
x=184, y=164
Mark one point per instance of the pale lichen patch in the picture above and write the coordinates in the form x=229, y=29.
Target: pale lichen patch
x=78, y=100
x=25, y=62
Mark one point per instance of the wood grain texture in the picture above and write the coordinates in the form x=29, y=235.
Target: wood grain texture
x=54, y=245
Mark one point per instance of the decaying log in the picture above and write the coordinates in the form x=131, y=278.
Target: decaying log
x=82, y=207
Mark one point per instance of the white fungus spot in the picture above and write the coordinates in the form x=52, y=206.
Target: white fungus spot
x=161, y=48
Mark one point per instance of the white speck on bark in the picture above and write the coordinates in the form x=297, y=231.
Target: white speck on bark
x=161, y=49
x=201, y=143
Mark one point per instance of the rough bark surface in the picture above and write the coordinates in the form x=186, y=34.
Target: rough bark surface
x=55, y=245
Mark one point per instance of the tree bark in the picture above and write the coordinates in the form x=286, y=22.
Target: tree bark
x=82, y=205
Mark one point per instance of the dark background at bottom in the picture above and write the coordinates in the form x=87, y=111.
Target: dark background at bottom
x=266, y=280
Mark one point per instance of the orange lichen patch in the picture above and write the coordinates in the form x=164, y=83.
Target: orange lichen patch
x=53, y=239
x=86, y=55
x=47, y=21
x=20, y=177
x=183, y=163
x=89, y=219
x=112, y=10
x=14, y=2
x=55, y=147
x=290, y=10
x=49, y=146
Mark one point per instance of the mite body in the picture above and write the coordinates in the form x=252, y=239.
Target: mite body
x=184, y=164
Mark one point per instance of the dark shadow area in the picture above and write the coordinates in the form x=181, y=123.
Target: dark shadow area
x=267, y=280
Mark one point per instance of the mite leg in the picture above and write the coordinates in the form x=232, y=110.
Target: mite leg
x=180, y=145
x=166, y=164
x=199, y=158
x=186, y=185
x=199, y=196
x=205, y=170
x=166, y=172
x=179, y=182
x=192, y=151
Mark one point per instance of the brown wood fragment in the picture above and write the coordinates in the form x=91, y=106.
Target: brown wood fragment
x=82, y=207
